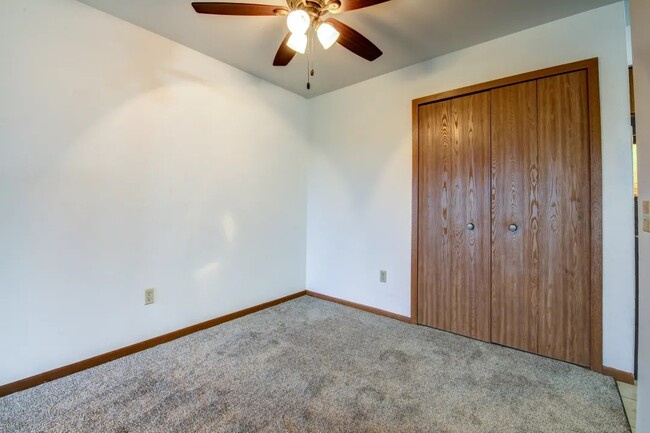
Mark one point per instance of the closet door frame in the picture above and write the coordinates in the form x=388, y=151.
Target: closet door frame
x=595, y=168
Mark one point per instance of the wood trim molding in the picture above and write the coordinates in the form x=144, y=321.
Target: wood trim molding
x=591, y=66
x=596, y=216
x=76, y=367
x=621, y=376
x=515, y=79
x=360, y=307
x=415, y=212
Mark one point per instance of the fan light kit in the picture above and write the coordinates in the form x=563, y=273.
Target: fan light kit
x=298, y=21
x=327, y=35
x=298, y=42
x=306, y=19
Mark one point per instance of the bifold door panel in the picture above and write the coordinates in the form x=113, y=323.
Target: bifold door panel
x=564, y=195
x=515, y=216
x=455, y=232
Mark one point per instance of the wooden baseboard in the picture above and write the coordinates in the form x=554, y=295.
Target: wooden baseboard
x=621, y=376
x=67, y=370
x=360, y=306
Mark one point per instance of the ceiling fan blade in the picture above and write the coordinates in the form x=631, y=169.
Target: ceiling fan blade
x=284, y=54
x=245, y=9
x=355, y=41
x=350, y=5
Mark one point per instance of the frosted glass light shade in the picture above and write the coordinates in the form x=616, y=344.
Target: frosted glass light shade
x=298, y=22
x=298, y=42
x=327, y=35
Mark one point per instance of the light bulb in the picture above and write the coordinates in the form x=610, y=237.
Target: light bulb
x=298, y=22
x=298, y=42
x=327, y=35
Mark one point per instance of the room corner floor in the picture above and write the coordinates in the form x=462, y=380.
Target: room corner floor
x=314, y=366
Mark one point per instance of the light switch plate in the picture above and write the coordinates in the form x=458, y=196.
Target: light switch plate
x=646, y=225
x=646, y=208
x=383, y=276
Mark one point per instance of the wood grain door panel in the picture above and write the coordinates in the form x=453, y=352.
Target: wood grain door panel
x=434, y=227
x=564, y=218
x=453, y=262
x=514, y=201
x=470, y=204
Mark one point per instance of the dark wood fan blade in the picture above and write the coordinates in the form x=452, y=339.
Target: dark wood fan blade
x=355, y=41
x=245, y=9
x=284, y=54
x=350, y=5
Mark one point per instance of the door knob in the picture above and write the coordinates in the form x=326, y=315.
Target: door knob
x=471, y=227
x=513, y=227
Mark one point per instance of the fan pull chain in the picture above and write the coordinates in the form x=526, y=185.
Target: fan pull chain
x=308, y=76
x=310, y=60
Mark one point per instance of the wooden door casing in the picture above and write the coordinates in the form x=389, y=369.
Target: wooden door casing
x=515, y=262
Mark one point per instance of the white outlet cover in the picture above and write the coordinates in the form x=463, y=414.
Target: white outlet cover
x=149, y=296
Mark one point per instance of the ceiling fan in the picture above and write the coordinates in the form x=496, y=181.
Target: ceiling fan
x=304, y=16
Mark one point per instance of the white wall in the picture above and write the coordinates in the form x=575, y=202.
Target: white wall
x=640, y=15
x=128, y=161
x=359, y=193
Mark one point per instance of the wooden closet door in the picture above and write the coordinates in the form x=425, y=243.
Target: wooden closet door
x=470, y=204
x=514, y=202
x=454, y=216
x=434, y=225
x=564, y=218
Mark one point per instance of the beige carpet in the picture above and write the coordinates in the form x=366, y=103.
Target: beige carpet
x=313, y=366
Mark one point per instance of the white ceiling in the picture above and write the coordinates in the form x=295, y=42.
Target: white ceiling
x=407, y=31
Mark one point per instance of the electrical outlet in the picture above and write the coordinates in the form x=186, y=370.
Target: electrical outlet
x=149, y=296
x=383, y=276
